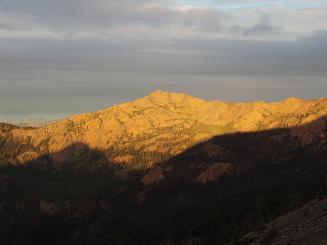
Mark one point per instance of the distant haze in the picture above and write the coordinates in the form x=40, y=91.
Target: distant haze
x=70, y=56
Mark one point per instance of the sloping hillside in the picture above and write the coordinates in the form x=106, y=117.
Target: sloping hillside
x=199, y=173
x=159, y=126
x=212, y=193
x=304, y=226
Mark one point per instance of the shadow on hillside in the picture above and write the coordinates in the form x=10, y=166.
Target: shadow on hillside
x=222, y=156
x=237, y=182
x=238, y=152
x=81, y=153
x=210, y=193
x=78, y=172
x=309, y=133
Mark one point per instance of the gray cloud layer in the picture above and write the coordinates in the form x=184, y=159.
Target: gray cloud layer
x=66, y=56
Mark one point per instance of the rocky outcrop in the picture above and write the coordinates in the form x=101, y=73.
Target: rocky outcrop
x=304, y=226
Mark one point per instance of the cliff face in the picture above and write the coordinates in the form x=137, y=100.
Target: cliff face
x=164, y=124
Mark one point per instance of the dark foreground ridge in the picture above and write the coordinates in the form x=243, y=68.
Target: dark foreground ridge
x=306, y=225
x=213, y=193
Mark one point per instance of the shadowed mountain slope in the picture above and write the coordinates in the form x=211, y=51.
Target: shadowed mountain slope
x=212, y=193
x=304, y=226
x=159, y=126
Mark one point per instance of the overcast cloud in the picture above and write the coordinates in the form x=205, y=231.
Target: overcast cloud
x=70, y=56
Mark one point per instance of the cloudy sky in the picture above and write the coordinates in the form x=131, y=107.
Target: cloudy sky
x=70, y=56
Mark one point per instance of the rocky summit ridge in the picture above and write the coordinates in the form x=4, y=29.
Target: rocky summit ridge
x=163, y=124
x=169, y=168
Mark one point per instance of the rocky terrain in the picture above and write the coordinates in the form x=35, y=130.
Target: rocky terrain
x=162, y=125
x=168, y=169
x=304, y=226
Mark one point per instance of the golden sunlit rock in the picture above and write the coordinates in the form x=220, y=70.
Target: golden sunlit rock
x=168, y=123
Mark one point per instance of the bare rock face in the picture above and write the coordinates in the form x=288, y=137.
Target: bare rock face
x=304, y=226
x=164, y=124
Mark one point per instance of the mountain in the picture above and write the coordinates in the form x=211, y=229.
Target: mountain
x=161, y=125
x=165, y=169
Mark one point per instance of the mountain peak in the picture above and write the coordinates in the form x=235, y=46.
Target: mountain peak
x=159, y=93
x=170, y=96
x=293, y=100
x=162, y=93
x=182, y=120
